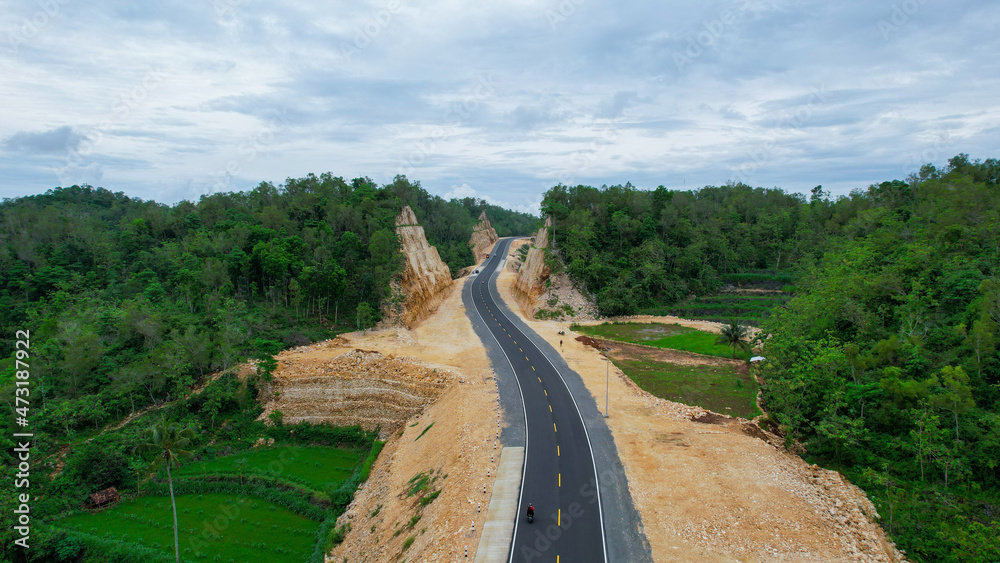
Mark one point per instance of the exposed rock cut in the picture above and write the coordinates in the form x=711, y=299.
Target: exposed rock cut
x=484, y=236
x=358, y=387
x=529, y=283
x=425, y=279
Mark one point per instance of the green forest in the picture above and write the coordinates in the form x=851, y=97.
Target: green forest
x=884, y=365
x=132, y=304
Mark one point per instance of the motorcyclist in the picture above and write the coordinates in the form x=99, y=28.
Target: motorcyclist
x=531, y=511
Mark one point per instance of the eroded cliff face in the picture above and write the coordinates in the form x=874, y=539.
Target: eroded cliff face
x=484, y=236
x=530, y=280
x=425, y=279
x=362, y=387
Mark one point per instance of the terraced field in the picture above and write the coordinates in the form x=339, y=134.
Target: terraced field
x=312, y=466
x=213, y=527
x=748, y=308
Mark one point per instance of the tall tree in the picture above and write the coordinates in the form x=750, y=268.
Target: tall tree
x=168, y=442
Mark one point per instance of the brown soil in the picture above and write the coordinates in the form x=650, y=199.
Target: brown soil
x=721, y=491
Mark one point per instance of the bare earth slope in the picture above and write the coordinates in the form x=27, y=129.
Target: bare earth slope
x=712, y=492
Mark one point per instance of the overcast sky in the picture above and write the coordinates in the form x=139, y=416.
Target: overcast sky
x=501, y=100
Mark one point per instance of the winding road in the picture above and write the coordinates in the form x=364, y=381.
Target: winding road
x=559, y=476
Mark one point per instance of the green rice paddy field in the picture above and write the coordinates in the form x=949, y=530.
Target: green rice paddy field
x=213, y=527
x=314, y=466
x=673, y=336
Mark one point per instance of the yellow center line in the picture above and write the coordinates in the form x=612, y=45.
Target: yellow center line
x=557, y=451
x=550, y=406
x=560, y=479
x=533, y=369
x=526, y=359
x=520, y=349
x=547, y=394
x=559, y=520
x=554, y=429
x=539, y=379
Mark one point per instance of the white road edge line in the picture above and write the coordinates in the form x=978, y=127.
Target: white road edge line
x=524, y=411
x=597, y=481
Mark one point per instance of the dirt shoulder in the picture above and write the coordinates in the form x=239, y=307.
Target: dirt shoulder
x=716, y=491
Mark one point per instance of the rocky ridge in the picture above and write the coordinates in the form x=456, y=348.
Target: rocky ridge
x=529, y=283
x=484, y=236
x=425, y=276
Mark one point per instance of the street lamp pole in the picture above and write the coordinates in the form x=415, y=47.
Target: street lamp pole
x=607, y=380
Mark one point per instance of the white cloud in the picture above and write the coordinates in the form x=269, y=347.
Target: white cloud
x=465, y=190
x=412, y=92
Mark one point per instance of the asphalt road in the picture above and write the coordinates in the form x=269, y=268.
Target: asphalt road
x=559, y=469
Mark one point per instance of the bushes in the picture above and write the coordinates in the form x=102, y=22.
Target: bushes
x=99, y=464
x=322, y=434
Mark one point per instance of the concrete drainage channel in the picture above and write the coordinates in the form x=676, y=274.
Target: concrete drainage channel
x=494, y=544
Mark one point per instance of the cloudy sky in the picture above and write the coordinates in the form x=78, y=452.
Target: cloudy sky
x=501, y=100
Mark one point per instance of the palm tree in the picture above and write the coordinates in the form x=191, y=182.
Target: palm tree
x=735, y=336
x=169, y=442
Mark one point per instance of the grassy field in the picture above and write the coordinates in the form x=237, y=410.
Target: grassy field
x=748, y=309
x=675, y=337
x=717, y=388
x=213, y=527
x=315, y=466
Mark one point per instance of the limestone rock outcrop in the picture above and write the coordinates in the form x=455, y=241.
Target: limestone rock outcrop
x=359, y=387
x=484, y=236
x=530, y=280
x=425, y=278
